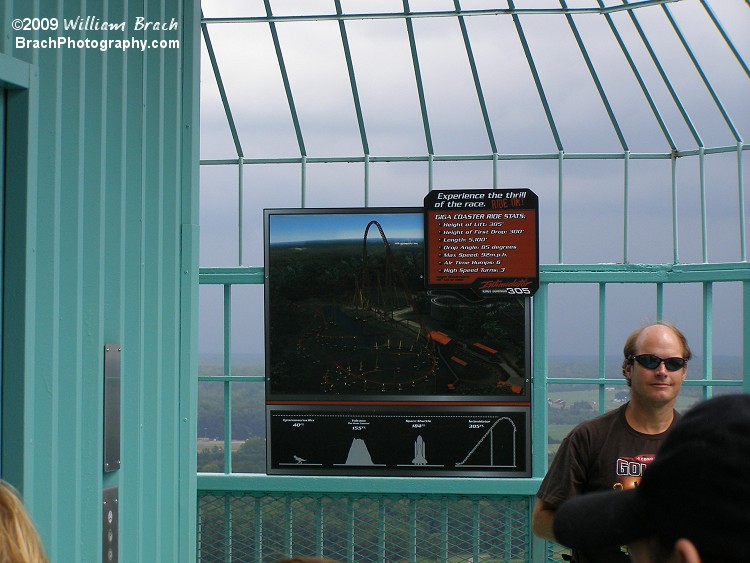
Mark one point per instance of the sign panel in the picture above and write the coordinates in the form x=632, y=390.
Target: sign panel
x=485, y=240
x=379, y=360
x=424, y=441
x=348, y=316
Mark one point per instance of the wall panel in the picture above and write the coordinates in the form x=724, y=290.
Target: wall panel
x=103, y=259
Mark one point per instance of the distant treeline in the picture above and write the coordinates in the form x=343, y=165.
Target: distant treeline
x=248, y=410
x=249, y=458
x=723, y=368
x=248, y=399
x=248, y=405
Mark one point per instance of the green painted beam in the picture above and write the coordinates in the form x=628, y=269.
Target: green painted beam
x=368, y=485
x=434, y=14
x=231, y=276
x=481, y=157
x=644, y=273
x=557, y=273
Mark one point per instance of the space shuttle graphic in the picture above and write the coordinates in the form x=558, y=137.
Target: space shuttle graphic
x=419, y=458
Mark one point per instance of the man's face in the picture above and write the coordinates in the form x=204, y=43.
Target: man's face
x=656, y=386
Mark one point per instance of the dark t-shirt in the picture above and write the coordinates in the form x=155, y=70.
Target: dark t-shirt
x=604, y=453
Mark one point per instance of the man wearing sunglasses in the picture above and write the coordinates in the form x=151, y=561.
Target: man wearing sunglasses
x=611, y=451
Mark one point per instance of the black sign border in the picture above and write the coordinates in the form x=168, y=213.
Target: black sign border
x=515, y=282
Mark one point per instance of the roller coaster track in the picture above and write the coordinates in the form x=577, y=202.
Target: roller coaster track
x=390, y=263
x=489, y=433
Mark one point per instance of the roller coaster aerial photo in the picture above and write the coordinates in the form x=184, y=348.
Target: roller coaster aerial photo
x=352, y=317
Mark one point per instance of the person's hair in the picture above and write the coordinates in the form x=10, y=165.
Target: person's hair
x=19, y=540
x=629, y=349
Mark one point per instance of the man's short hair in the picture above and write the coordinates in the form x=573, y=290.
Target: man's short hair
x=629, y=349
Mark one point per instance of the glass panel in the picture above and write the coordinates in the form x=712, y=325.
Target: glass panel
x=211, y=426
x=248, y=428
x=248, y=342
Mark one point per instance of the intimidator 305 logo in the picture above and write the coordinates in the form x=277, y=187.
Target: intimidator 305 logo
x=509, y=287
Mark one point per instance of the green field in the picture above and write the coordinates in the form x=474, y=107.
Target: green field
x=562, y=419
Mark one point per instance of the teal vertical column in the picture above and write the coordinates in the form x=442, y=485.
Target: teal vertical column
x=708, y=341
x=538, y=405
x=539, y=368
x=746, y=336
x=189, y=131
x=2, y=231
x=602, y=339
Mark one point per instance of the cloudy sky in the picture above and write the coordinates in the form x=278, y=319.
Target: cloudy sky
x=525, y=137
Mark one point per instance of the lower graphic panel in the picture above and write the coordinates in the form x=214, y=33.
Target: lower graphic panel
x=426, y=441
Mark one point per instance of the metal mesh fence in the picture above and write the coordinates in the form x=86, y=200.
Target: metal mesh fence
x=257, y=527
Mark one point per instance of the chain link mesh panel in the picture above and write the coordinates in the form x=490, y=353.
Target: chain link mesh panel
x=246, y=527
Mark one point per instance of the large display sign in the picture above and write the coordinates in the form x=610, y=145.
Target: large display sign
x=485, y=240
x=352, y=326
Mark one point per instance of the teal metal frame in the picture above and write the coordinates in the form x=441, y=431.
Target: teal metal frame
x=2, y=244
x=20, y=82
x=707, y=274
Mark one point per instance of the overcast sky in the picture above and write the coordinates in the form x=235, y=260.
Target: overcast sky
x=592, y=201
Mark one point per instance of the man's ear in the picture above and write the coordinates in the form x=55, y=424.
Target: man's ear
x=685, y=552
x=627, y=368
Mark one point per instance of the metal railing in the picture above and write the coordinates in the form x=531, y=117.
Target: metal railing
x=257, y=517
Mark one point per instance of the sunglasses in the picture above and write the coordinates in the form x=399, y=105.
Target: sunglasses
x=650, y=361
